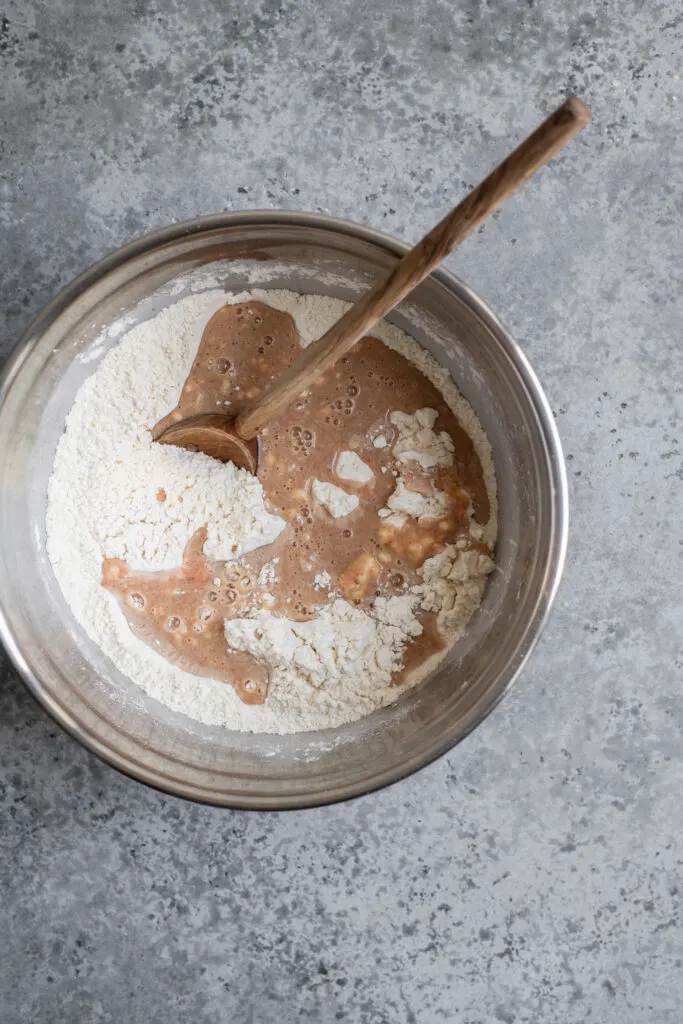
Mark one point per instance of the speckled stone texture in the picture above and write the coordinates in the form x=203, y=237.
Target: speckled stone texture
x=533, y=874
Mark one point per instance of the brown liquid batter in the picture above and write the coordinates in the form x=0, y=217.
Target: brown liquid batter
x=180, y=614
x=244, y=347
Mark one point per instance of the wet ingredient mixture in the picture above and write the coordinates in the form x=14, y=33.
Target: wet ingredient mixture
x=378, y=532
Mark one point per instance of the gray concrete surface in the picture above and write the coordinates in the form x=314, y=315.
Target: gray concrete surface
x=533, y=875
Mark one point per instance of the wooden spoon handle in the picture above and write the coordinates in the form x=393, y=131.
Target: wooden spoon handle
x=417, y=264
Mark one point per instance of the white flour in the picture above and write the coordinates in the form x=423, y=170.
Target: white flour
x=349, y=466
x=115, y=493
x=404, y=504
x=417, y=441
x=337, y=501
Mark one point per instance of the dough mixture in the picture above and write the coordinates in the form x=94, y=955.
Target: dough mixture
x=307, y=596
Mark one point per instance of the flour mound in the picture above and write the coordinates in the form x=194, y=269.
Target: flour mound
x=150, y=532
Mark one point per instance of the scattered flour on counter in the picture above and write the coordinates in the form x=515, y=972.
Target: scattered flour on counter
x=115, y=493
x=337, y=501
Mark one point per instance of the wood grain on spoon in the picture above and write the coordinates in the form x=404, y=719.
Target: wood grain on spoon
x=213, y=434
x=410, y=270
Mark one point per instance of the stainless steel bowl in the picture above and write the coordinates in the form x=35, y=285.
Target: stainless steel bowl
x=106, y=712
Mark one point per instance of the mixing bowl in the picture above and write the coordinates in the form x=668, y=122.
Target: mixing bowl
x=105, y=711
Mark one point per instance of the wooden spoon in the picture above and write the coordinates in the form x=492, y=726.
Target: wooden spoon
x=234, y=440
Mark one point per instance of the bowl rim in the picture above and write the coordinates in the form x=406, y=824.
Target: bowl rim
x=555, y=557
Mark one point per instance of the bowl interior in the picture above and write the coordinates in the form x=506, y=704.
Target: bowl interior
x=105, y=710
